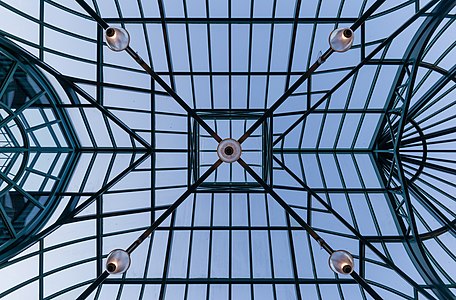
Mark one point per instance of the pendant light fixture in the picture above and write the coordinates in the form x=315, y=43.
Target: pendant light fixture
x=229, y=150
x=117, y=39
x=341, y=262
x=118, y=261
x=341, y=39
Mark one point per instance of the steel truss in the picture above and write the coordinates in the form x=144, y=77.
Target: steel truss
x=399, y=171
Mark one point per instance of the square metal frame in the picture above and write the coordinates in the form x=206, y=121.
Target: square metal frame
x=194, y=162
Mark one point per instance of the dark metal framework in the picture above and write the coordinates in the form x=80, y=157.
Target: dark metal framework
x=348, y=151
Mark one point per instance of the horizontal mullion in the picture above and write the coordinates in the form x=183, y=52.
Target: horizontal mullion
x=163, y=131
x=320, y=150
x=290, y=280
x=182, y=20
x=332, y=111
x=119, y=213
x=333, y=190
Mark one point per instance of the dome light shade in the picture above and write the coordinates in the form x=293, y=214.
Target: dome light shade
x=229, y=150
x=341, y=39
x=117, y=39
x=118, y=261
x=341, y=262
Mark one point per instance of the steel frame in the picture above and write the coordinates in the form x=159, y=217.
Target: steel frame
x=394, y=168
x=30, y=148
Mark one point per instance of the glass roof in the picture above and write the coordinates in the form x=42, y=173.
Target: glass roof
x=349, y=151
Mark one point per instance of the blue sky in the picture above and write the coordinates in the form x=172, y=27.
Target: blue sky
x=277, y=247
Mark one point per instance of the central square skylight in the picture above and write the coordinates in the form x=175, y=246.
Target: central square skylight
x=256, y=150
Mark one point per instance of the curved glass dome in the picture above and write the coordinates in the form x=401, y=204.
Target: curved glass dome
x=344, y=189
x=35, y=150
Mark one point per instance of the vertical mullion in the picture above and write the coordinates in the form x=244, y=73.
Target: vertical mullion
x=209, y=52
x=7, y=222
x=41, y=34
x=99, y=241
x=167, y=257
x=249, y=67
x=293, y=258
x=209, y=264
x=121, y=287
x=230, y=242
x=189, y=49
x=363, y=41
x=189, y=262
x=362, y=261
x=322, y=125
x=380, y=123
x=166, y=42
x=146, y=36
x=271, y=37
x=347, y=103
x=308, y=104
x=344, y=186
x=362, y=266
x=339, y=12
x=271, y=259
x=87, y=126
x=249, y=222
x=99, y=202
x=147, y=264
x=314, y=268
x=8, y=77
x=230, y=79
x=154, y=154
x=292, y=44
x=314, y=32
x=322, y=175
x=41, y=268
x=369, y=203
x=309, y=196
x=100, y=79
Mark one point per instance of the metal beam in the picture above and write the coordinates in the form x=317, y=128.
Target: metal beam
x=354, y=231
x=149, y=70
x=400, y=105
x=303, y=223
x=153, y=226
x=307, y=74
x=232, y=20
x=66, y=83
x=385, y=42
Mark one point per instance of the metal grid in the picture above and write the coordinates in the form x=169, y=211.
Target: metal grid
x=362, y=150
